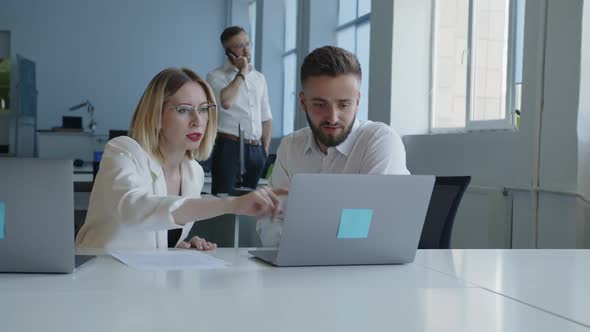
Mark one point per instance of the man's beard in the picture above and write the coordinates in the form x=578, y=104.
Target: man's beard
x=328, y=140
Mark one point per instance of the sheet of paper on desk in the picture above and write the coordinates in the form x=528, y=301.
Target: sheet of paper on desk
x=168, y=260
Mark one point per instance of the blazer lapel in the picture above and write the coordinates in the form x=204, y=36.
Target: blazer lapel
x=157, y=176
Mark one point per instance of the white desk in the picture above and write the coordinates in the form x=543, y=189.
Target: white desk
x=105, y=295
x=84, y=173
x=557, y=281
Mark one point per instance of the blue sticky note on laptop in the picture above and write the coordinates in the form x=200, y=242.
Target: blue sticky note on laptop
x=2, y=218
x=355, y=223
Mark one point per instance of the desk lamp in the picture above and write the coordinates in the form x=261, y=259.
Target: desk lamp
x=90, y=109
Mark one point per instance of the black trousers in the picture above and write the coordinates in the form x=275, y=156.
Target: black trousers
x=225, y=166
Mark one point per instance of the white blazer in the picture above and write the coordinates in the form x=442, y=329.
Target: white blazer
x=129, y=206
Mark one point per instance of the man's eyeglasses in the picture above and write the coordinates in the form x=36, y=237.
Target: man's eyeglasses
x=242, y=45
x=202, y=111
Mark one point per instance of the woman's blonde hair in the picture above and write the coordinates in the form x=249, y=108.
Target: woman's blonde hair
x=147, y=119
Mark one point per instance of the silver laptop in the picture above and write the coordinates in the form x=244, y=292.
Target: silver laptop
x=350, y=219
x=37, y=216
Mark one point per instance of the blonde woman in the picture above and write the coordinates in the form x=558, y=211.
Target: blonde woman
x=150, y=182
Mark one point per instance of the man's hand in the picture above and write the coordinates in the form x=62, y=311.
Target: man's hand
x=242, y=64
x=229, y=94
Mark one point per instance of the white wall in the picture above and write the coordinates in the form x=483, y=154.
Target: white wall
x=400, y=64
x=498, y=159
x=323, y=20
x=317, y=24
x=583, y=128
x=559, y=152
x=381, y=59
x=107, y=51
x=411, y=78
x=272, y=27
x=479, y=205
x=561, y=222
x=238, y=14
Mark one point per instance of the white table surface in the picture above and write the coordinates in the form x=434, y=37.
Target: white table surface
x=557, y=281
x=105, y=295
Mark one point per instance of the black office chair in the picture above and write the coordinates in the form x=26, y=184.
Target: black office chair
x=440, y=217
x=80, y=215
x=116, y=133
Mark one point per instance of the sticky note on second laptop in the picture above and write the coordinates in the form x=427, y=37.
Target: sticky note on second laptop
x=2, y=218
x=355, y=223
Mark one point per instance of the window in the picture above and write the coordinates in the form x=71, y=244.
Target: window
x=252, y=22
x=290, y=66
x=353, y=34
x=476, y=63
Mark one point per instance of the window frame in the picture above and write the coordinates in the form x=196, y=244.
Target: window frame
x=355, y=23
x=509, y=121
x=253, y=22
x=284, y=55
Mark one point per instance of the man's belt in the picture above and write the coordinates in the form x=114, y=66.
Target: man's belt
x=237, y=139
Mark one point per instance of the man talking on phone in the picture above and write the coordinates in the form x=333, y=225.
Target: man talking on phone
x=242, y=102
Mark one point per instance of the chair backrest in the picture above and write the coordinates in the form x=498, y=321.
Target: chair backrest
x=116, y=133
x=440, y=217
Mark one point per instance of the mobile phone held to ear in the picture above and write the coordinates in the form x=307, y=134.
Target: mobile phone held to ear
x=230, y=53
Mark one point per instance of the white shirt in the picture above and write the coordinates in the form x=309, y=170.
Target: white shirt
x=370, y=148
x=129, y=206
x=251, y=106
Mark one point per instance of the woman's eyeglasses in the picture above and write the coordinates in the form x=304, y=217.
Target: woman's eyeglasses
x=202, y=111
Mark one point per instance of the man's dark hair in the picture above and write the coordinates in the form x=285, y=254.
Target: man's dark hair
x=230, y=32
x=330, y=61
